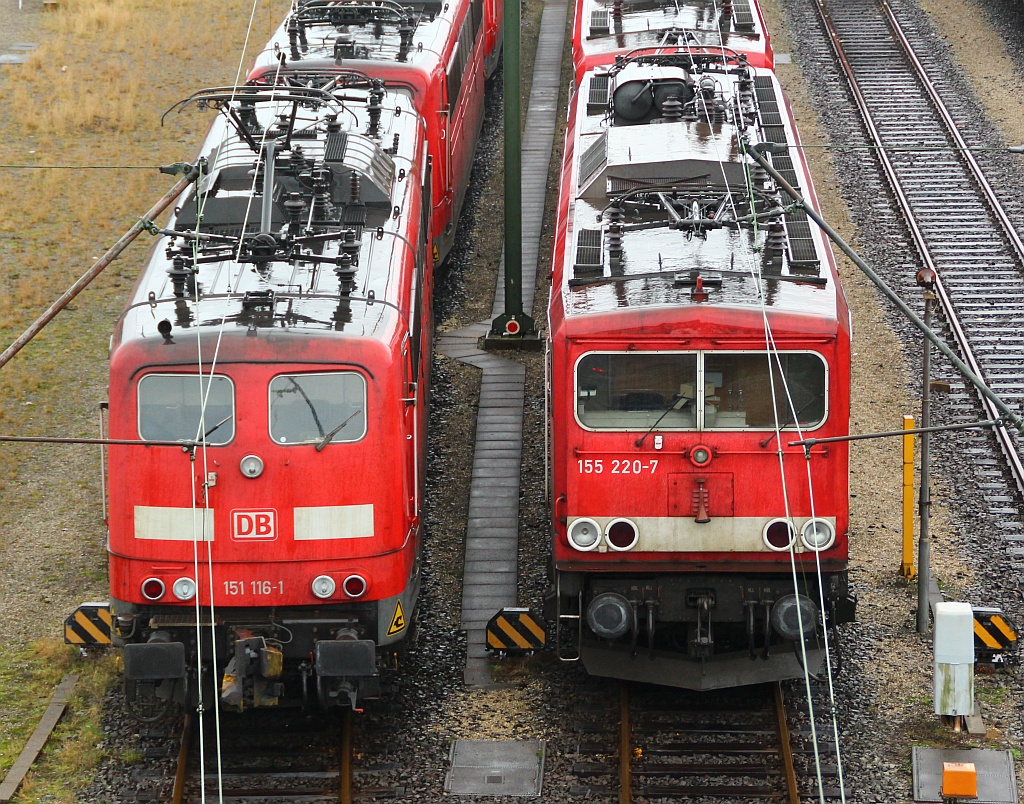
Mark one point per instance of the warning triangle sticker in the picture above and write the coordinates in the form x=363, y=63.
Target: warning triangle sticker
x=398, y=621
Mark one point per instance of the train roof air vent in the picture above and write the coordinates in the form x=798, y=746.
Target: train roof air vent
x=742, y=18
x=334, y=149
x=588, y=252
x=599, y=23
x=594, y=158
x=597, y=100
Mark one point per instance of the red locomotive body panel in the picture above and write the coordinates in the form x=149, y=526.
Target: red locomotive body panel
x=696, y=328
x=271, y=373
x=164, y=479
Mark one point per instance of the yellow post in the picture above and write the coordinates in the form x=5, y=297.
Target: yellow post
x=907, y=569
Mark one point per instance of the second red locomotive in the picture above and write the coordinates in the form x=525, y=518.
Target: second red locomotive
x=697, y=326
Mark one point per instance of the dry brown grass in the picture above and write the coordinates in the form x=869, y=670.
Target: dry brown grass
x=92, y=94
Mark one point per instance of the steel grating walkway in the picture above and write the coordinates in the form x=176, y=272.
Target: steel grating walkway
x=492, y=535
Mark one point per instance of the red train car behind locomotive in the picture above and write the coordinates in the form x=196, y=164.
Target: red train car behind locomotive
x=604, y=29
x=444, y=51
x=696, y=327
x=274, y=358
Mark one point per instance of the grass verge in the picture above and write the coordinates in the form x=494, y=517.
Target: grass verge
x=90, y=96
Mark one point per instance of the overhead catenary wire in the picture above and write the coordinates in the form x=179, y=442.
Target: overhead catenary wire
x=201, y=198
x=756, y=152
x=80, y=167
x=773, y=351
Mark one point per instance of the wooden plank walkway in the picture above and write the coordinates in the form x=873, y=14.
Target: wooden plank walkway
x=52, y=715
x=492, y=536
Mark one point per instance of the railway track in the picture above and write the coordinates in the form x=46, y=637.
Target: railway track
x=959, y=226
x=284, y=757
x=676, y=744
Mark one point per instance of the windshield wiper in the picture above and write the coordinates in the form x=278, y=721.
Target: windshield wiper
x=213, y=429
x=791, y=420
x=327, y=438
x=678, y=402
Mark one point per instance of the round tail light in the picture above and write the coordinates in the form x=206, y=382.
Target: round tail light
x=778, y=535
x=323, y=586
x=584, y=534
x=184, y=588
x=818, y=534
x=354, y=586
x=153, y=589
x=622, y=534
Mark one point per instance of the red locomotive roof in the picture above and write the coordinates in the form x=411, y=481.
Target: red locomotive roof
x=666, y=225
x=323, y=258
x=606, y=28
x=381, y=31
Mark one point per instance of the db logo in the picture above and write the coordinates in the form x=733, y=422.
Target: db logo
x=260, y=525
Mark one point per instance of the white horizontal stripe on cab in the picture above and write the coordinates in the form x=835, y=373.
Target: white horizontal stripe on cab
x=681, y=534
x=173, y=524
x=334, y=522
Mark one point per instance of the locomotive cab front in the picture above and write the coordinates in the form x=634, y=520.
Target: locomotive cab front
x=677, y=506
x=280, y=512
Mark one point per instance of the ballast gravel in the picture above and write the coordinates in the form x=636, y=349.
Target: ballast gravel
x=883, y=692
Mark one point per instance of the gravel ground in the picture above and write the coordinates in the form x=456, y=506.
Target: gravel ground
x=884, y=691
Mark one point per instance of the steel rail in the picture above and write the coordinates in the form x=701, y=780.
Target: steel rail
x=625, y=748
x=788, y=767
x=987, y=193
x=181, y=771
x=347, y=748
x=1002, y=435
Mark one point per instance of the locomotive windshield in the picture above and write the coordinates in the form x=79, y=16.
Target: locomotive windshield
x=171, y=408
x=701, y=391
x=317, y=408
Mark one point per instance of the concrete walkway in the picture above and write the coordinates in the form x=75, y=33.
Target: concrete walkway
x=492, y=536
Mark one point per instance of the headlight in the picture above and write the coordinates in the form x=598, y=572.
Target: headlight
x=323, y=586
x=818, y=534
x=622, y=534
x=609, y=615
x=700, y=456
x=184, y=589
x=584, y=534
x=251, y=466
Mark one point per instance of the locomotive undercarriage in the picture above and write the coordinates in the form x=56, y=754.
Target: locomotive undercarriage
x=697, y=631
x=314, y=659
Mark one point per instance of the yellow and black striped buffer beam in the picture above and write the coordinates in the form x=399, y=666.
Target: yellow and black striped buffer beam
x=993, y=633
x=89, y=625
x=516, y=630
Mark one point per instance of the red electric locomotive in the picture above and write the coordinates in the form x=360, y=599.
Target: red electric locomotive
x=604, y=29
x=274, y=359
x=442, y=50
x=696, y=327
